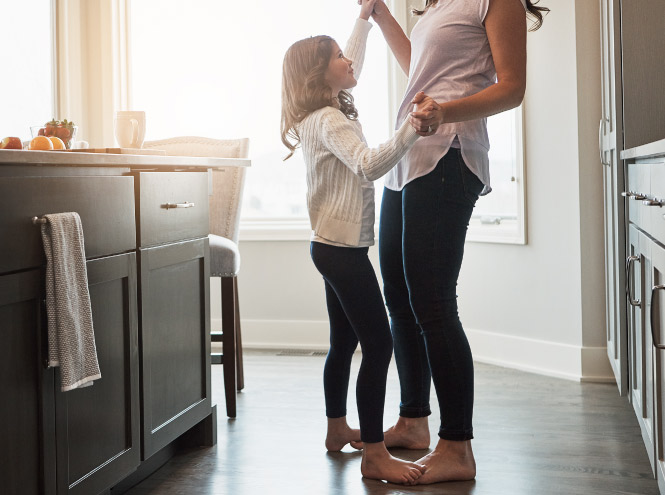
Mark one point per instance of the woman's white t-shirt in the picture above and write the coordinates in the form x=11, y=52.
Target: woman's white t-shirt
x=450, y=59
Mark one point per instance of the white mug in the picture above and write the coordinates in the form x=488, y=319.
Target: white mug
x=129, y=128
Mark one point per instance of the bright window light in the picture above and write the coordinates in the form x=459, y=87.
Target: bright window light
x=26, y=36
x=206, y=68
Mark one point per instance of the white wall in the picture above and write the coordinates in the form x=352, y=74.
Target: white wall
x=537, y=307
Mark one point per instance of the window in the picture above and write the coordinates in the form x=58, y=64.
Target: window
x=27, y=60
x=208, y=68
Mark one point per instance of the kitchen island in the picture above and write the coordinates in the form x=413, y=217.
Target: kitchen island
x=145, y=223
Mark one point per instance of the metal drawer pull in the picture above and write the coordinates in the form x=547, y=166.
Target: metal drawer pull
x=629, y=263
x=634, y=195
x=186, y=204
x=652, y=202
x=653, y=333
x=37, y=220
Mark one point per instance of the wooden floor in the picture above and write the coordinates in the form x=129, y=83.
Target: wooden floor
x=534, y=436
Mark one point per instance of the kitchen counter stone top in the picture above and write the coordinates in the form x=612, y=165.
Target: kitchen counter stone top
x=135, y=162
x=657, y=148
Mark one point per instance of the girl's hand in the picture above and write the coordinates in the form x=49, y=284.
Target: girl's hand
x=366, y=8
x=380, y=8
x=427, y=114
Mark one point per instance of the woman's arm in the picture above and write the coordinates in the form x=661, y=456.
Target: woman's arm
x=394, y=35
x=505, y=24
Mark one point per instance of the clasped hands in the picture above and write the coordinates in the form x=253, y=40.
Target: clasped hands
x=427, y=114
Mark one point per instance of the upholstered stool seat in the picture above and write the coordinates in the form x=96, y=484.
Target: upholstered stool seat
x=224, y=257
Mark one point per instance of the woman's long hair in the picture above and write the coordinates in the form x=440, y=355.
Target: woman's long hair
x=304, y=88
x=534, y=11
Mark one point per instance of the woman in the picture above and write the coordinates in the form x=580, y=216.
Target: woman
x=469, y=56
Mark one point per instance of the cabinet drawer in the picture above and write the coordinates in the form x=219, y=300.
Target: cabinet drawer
x=639, y=182
x=172, y=206
x=105, y=204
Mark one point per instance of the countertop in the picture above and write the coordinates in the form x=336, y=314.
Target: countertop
x=149, y=162
x=649, y=150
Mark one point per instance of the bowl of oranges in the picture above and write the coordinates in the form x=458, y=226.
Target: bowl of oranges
x=54, y=135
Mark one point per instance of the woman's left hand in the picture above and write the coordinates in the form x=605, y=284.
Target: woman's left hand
x=427, y=114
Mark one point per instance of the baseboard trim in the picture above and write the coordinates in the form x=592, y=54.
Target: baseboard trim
x=570, y=362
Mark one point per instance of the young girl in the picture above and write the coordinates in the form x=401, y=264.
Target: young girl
x=318, y=113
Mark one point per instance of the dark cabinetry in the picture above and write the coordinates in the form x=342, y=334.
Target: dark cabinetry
x=97, y=427
x=175, y=315
x=151, y=318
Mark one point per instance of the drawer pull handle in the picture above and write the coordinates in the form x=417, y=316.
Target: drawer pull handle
x=656, y=344
x=37, y=220
x=629, y=263
x=633, y=195
x=652, y=202
x=186, y=204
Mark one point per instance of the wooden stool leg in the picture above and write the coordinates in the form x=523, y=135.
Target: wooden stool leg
x=229, y=343
x=240, y=367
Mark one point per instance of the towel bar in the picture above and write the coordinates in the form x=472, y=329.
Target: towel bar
x=37, y=220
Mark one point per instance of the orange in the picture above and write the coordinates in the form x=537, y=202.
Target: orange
x=40, y=143
x=58, y=144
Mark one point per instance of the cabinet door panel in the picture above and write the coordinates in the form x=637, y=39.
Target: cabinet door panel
x=647, y=353
x=175, y=338
x=656, y=316
x=613, y=185
x=27, y=429
x=98, y=433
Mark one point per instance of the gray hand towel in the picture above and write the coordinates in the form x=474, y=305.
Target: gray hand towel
x=71, y=339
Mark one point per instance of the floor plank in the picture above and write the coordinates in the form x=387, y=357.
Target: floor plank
x=535, y=435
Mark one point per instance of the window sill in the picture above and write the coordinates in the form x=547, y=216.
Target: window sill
x=508, y=232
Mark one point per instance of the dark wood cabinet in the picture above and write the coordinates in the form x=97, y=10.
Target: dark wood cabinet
x=27, y=422
x=175, y=340
x=151, y=316
x=172, y=214
x=98, y=439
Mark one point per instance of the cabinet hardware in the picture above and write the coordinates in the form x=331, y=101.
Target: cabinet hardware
x=633, y=195
x=601, y=131
x=652, y=202
x=186, y=204
x=38, y=220
x=656, y=344
x=629, y=264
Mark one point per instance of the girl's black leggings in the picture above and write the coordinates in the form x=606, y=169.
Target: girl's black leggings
x=357, y=315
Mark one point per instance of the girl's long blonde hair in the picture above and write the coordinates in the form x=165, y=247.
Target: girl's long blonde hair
x=304, y=88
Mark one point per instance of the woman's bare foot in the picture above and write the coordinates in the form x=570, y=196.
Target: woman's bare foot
x=340, y=433
x=408, y=433
x=378, y=464
x=449, y=461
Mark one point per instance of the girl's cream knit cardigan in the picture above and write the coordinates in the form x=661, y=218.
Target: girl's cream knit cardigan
x=338, y=160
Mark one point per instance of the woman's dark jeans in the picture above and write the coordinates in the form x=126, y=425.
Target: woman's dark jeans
x=357, y=314
x=421, y=244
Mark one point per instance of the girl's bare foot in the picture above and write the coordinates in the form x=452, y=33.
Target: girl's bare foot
x=378, y=464
x=449, y=461
x=408, y=433
x=340, y=433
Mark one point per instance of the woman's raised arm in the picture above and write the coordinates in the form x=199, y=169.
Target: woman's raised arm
x=394, y=35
